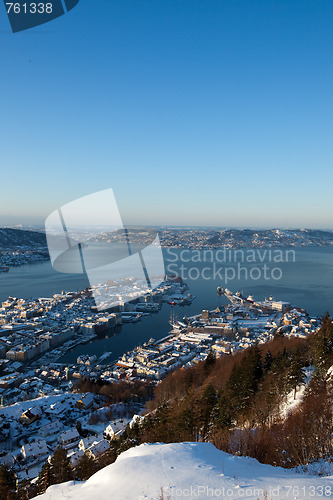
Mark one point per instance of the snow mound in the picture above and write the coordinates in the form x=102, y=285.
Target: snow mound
x=189, y=470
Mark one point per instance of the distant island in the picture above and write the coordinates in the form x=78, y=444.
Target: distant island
x=18, y=247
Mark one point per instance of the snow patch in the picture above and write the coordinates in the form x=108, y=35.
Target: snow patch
x=189, y=470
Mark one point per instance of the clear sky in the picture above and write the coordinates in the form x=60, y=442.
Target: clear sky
x=210, y=112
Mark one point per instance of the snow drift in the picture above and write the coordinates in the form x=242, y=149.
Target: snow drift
x=190, y=470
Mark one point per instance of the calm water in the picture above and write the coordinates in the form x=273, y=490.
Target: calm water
x=307, y=282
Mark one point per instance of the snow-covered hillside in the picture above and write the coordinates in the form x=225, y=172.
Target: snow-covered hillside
x=16, y=238
x=292, y=401
x=190, y=470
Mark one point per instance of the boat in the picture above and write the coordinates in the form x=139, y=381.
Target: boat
x=178, y=326
x=104, y=356
x=136, y=318
x=234, y=298
x=127, y=318
x=188, y=299
x=147, y=307
x=4, y=269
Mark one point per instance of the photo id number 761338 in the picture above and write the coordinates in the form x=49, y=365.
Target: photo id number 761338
x=29, y=8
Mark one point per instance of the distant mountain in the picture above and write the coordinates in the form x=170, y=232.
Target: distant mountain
x=277, y=237
x=246, y=238
x=187, y=470
x=11, y=239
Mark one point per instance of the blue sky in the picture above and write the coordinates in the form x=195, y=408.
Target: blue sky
x=211, y=112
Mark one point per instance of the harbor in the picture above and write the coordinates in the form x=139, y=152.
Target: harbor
x=39, y=332
x=223, y=331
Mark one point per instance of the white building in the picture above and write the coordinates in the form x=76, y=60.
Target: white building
x=68, y=437
x=32, y=451
x=115, y=429
x=85, y=402
x=56, y=409
x=50, y=429
x=85, y=443
x=98, y=448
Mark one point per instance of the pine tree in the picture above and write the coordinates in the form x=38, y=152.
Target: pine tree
x=321, y=351
x=244, y=380
x=322, y=347
x=7, y=483
x=60, y=466
x=86, y=467
x=224, y=415
x=46, y=477
x=210, y=360
x=251, y=370
x=257, y=364
x=296, y=373
x=26, y=490
x=234, y=391
x=186, y=424
x=268, y=361
x=327, y=328
x=206, y=404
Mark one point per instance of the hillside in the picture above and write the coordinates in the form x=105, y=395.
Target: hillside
x=244, y=238
x=269, y=404
x=241, y=403
x=195, y=470
x=11, y=239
